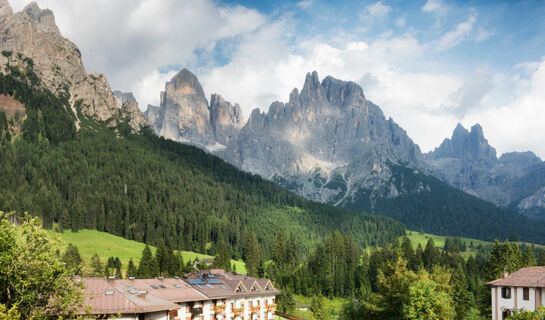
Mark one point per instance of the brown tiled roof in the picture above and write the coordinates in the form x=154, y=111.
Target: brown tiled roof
x=233, y=280
x=119, y=298
x=525, y=277
x=170, y=289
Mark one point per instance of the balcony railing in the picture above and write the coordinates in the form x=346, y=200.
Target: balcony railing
x=238, y=311
x=270, y=307
x=255, y=309
x=219, y=308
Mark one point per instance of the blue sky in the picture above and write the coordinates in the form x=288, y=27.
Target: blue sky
x=428, y=64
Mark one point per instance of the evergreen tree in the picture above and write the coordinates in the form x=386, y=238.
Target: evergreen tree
x=252, y=255
x=131, y=269
x=147, y=266
x=97, y=269
x=223, y=258
x=317, y=307
x=72, y=258
x=431, y=255
x=463, y=299
x=528, y=258
x=541, y=258
x=291, y=252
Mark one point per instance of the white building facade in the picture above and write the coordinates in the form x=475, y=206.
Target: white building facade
x=521, y=290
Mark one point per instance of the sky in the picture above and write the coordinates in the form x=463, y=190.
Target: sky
x=429, y=64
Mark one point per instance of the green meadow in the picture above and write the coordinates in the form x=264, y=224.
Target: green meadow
x=107, y=245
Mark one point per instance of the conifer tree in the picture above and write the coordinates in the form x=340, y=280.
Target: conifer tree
x=541, y=258
x=72, y=258
x=96, y=266
x=146, y=267
x=463, y=299
x=431, y=255
x=252, y=255
x=131, y=269
x=528, y=257
x=223, y=258
x=292, y=254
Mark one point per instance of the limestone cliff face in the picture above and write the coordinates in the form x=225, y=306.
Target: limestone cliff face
x=185, y=115
x=328, y=143
x=469, y=163
x=34, y=34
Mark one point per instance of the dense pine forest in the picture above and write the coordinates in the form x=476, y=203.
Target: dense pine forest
x=435, y=207
x=145, y=188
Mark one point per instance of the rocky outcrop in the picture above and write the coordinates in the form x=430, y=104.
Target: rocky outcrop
x=328, y=143
x=33, y=34
x=184, y=114
x=126, y=102
x=468, y=162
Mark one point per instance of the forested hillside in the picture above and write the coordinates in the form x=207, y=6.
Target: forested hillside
x=149, y=189
x=435, y=207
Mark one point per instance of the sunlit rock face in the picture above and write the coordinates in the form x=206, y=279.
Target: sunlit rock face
x=327, y=143
x=32, y=33
x=468, y=162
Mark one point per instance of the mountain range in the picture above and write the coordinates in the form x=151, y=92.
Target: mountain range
x=328, y=143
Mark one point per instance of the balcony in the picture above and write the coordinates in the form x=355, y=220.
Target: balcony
x=219, y=308
x=270, y=307
x=255, y=309
x=238, y=311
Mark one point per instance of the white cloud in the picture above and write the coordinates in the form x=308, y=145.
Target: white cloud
x=129, y=40
x=400, y=22
x=304, y=4
x=378, y=10
x=517, y=125
x=435, y=6
x=461, y=33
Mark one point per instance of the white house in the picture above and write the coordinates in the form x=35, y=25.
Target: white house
x=521, y=290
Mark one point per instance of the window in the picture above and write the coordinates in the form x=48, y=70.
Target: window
x=506, y=293
x=505, y=314
x=525, y=293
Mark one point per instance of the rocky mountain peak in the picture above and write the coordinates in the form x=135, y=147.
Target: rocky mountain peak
x=186, y=83
x=467, y=146
x=5, y=8
x=225, y=118
x=312, y=89
x=33, y=33
x=44, y=19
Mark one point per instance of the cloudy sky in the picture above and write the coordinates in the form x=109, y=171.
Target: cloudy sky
x=428, y=64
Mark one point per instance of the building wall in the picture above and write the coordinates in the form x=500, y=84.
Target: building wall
x=526, y=304
x=161, y=315
x=505, y=303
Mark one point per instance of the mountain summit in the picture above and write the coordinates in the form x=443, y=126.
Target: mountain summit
x=34, y=36
x=328, y=143
x=468, y=162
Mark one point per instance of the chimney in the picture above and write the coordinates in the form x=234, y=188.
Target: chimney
x=505, y=273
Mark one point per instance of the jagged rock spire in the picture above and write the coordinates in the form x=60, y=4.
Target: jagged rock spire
x=5, y=8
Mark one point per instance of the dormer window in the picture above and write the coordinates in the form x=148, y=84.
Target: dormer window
x=506, y=293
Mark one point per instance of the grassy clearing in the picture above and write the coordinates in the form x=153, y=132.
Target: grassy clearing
x=422, y=239
x=333, y=307
x=107, y=245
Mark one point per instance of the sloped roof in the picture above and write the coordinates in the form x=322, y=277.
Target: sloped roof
x=107, y=297
x=169, y=289
x=525, y=277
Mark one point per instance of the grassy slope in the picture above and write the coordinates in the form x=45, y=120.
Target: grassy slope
x=107, y=245
x=422, y=239
x=333, y=307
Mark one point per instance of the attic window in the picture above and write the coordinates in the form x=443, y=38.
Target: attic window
x=238, y=289
x=253, y=288
x=162, y=286
x=110, y=293
x=267, y=288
